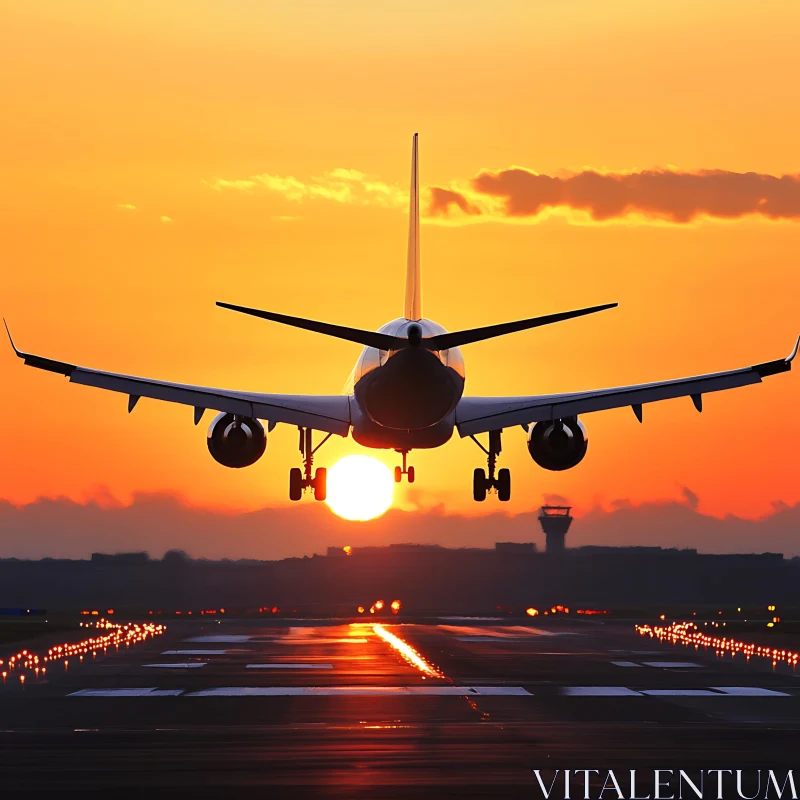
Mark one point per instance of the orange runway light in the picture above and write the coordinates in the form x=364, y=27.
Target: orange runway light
x=379, y=605
x=532, y=612
x=360, y=609
x=687, y=633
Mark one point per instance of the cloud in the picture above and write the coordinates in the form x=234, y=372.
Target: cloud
x=668, y=195
x=127, y=206
x=165, y=219
x=692, y=500
x=341, y=185
x=160, y=522
x=442, y=201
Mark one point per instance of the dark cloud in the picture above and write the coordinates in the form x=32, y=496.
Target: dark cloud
x=662, y=194
x=157, y=523
x=443, y=199
x=692, y=500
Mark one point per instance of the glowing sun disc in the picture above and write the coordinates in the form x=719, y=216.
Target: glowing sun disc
x=359, y=488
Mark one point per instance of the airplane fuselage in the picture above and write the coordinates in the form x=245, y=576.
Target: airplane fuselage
x=406, y=399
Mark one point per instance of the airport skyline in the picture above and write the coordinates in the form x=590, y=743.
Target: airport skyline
x=147, y=186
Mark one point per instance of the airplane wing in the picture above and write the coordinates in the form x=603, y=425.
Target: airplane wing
x=481, y=414
x=330, y=413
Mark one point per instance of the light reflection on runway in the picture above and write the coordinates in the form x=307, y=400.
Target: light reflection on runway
x=343, y=710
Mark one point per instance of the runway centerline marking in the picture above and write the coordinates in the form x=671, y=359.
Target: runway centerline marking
x=152, y=692
x=599, y=691
x=356, y=691
x=203, y=652
x=289, y=666
x=220, y=638
x=184, y=665
x=672, y=664
x=625, y=664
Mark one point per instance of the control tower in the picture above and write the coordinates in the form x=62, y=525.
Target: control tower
x=555, y=522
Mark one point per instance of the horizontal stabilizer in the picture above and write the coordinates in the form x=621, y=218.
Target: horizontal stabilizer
x=380, y=341
x=445, y=341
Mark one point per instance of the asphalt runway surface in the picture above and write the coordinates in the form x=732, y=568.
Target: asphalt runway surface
x=444, y=707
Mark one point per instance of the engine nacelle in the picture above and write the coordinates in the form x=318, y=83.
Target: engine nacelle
x=236, y=441
x=558, y=445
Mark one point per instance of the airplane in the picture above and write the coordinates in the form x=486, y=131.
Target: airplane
x=406, y=392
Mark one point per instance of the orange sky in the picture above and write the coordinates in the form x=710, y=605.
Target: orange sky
x=162, y=106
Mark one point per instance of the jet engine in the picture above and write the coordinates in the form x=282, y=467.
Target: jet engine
x=236, y=441
x=558, y=444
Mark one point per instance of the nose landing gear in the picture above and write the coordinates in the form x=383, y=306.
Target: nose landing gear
x=501, y=481
x=300, y=480
x=404, y=470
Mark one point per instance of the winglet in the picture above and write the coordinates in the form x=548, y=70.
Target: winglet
x=14, y=347
x=781, y=365
x=792, y=355
x=48, y=364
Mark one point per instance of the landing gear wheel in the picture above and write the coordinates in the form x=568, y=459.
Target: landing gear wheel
x=398, y=474
x=504, y=485
x=479, y=485
x=321, y=484
x=411, y=475
x=295, y=483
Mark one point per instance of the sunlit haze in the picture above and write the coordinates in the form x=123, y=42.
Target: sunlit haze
x=158, y=157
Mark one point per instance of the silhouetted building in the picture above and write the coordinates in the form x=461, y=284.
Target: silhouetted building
x=515, y=548
x=120, y=558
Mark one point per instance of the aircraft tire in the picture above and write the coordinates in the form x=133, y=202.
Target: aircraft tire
x=479, y=485
x=295, y=483
x=504, y=485
x=321, y=484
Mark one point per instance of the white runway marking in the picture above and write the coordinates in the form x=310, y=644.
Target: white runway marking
x=202, y=652
x=668, y=664
x=126, y=693
x=712, y=691
x=184, y=665
x=599, y=691
x=290, y=666
x=749, y=691
x=625, y=664
x=356, y=691
x=220, y=638
x=492, y=639
x=300, y=640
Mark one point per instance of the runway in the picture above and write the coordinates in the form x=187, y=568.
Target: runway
x=334, y=709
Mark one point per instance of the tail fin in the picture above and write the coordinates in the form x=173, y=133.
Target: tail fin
x=413, y=306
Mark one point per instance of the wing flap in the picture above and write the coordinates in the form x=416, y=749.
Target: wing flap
x=329, y=413
x=481, y=414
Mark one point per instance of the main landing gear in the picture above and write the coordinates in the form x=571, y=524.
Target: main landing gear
x=404, y=470
x=481, y=482
x=300, y=479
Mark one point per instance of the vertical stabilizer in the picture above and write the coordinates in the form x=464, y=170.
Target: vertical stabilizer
x=413, y=307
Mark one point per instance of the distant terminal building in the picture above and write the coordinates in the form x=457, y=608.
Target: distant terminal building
x=120, y=558
x=634, y=550
x=515, y=548
x=555, y=522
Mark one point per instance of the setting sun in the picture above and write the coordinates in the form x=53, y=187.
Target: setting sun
x=359, y=488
